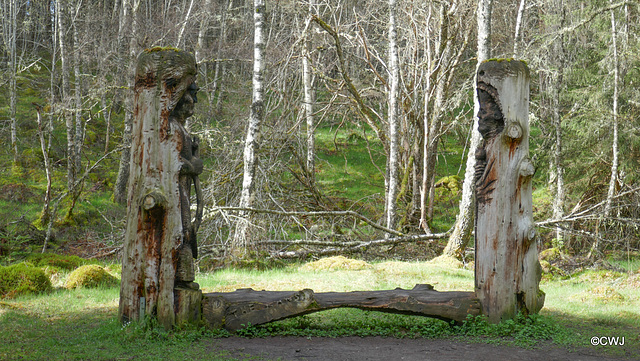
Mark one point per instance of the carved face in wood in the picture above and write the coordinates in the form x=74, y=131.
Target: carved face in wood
x=490, y=119
x=186, y=104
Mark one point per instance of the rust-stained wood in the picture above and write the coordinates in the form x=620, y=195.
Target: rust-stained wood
x=507, y=271
x=235, y=310
x=154, y=233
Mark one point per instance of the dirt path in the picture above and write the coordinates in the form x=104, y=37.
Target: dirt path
x=391, y=349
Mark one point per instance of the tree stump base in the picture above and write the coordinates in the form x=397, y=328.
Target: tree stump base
x=188, y=305
x=236, y=310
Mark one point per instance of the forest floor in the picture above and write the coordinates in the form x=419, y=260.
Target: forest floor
x=385, y=349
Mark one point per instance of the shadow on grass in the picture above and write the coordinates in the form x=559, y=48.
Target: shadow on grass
x=95, y=334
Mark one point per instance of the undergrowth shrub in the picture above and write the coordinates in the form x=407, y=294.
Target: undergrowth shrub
x=66, y=262
x=90, y=276
x=22, y=278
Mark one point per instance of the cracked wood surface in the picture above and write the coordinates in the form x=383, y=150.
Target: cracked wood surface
x=235, y=310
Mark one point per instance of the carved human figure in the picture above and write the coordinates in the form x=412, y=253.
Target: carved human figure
x=191, y=168
x=490, y=124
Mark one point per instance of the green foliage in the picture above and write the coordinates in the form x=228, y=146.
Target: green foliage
x=66, y=262
x=90, y=276
x=21, y=279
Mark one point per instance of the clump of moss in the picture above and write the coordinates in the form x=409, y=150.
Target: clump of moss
x=550, y=255
x=452, y=183
x=65, y=262
x=90, y=276
x=336, y=263
x=22, y=278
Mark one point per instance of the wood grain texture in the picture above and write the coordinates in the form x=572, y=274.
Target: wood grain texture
x=235, y=310
x=507, y=271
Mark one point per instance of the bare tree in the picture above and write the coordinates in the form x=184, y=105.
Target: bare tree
x=120, y=187
x=242, y=236
x=10, y=9
x=309, y=94
x=614, y=147
x=461, y=234
x=394, y=123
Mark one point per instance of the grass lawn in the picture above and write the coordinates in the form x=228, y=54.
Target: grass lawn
x=82, y=325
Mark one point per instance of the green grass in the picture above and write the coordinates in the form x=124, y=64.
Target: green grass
x=82, y=324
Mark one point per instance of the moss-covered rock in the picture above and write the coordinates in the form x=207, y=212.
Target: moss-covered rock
x=550, y=255
x=90, y=276
x=22, y=278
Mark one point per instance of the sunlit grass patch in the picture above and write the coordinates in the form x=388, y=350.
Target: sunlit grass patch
x=336, y=263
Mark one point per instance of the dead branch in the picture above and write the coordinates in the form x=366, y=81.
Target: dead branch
x=311, y=214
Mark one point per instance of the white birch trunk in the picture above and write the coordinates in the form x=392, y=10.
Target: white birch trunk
x=66, y=90
x=120, y=187
x=614, y=147
x=184, y=25
x=461, y=234
x=394, y=122
x=10, y=24
x=517, y=35
x=241, y=239
x=204, y=26
x=558, y=200
x=309, y=96
x=77, y=92
x=219, y=66
x=507, y=272
x=46, y=213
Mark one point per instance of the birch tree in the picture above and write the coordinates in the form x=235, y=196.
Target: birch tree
x=394, y=81
x=241, y=239
x=309, y=94
x=63, y=15
x=10, y=9
x=461, y=234
x=614, y=147
x=120, y=188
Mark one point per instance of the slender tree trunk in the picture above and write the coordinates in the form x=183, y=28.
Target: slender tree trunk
x=518, y=32
x=242, y=236
x=120, y=188
x=184, y=25
x=558, y=201
x=46, y=213
x=394, y=122
x=204, y=26
x=10, y=39
x=219, y=69
x=309, y=96
x=66, y=90
x=557, y=78
x=78, y=136
x=614, y=147
x=461, y=234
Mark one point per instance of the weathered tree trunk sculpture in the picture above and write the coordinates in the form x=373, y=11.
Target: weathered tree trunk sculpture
x=160, y=243
x=507, y=268
x=238, y=309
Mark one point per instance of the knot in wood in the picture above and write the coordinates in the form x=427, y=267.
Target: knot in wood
x=514, y=131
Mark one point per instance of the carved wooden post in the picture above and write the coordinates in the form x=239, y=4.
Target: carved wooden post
x=157, y=264
x=507, y=268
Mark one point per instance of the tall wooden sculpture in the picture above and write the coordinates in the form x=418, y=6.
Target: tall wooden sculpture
x=507, y=268
x=160, y=243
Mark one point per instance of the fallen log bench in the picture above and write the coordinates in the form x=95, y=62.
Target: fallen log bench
x=244, y=307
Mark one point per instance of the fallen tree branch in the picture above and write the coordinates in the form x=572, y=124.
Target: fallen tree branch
x=347, y=246
x=311, y=214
